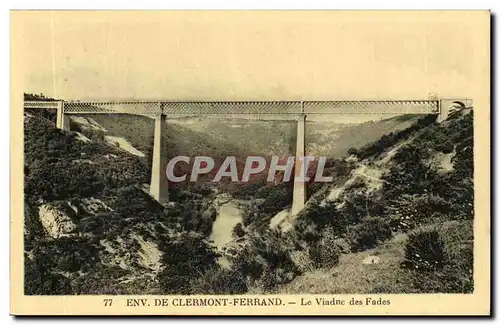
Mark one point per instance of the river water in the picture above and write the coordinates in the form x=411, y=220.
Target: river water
x=222, y=230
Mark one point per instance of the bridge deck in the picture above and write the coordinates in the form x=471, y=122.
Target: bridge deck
x=245, y=107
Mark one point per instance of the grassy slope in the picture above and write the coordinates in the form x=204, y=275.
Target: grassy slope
x=351, y=276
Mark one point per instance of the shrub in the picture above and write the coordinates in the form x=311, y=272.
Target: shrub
x=414, y=210
x=275, y=276
x=445, y=147
x=425, y=250
x=250, y=214
x=453, y=271
x=186, y=259
x=278, y=198
x=302, y=259
x=247, y=264
x=176, y=279
x=38, y=280
x=368, y=233
x=238, y=231
x=352, y=151
x=220, y=281
x=456, y=274
x=323, y=215
x=267, y=259
x=325, y=252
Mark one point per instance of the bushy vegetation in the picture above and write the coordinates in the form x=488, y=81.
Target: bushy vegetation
x=238, y=230
x=58, y=166
x=425, y=250
x=266, y=261
x=221, y=281
x=45, y=273
x=39, y=280
x=185, y=261
x=49, y=114
x=370, y=232
x=38, y=97
x=260, y=210
x=325, y=252
x=441, y=258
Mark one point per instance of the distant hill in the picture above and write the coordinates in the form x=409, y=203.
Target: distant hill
x=220, y=137
x=334, y=140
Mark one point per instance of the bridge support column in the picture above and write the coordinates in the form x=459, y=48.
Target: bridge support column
x=299, y=189
x=159, y=185
x=443, y=111
x=62, y=121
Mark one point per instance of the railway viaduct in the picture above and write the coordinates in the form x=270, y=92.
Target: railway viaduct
x=261, y=110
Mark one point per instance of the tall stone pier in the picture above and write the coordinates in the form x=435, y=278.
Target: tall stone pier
x=159, y=184
x=299, y=189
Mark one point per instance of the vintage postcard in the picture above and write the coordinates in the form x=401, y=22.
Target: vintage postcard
x=250, y=163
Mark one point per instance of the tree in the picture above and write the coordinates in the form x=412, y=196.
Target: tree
x=352, y=151
x=238, y=230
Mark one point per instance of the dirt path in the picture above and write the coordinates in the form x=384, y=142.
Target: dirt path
x=362, y=172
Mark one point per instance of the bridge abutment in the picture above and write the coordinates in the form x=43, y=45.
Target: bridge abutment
x=299, y=188
x=159, y=185
x=62, y=121
x=447, y=105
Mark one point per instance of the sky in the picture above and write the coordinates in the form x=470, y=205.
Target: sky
x=245, y=55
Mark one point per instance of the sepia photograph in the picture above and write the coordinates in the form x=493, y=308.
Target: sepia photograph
x=237, y=159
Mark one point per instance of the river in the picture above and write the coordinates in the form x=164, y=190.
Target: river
x=222, y=230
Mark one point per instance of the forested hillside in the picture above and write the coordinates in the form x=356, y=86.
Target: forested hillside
x=91, y=229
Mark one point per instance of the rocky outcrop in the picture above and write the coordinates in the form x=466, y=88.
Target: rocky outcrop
x=372, y=259
x=55, y=222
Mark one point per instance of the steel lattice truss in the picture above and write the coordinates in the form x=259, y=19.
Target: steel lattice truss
x=372, y=107
x=246, y=107
x=223, y=108
x=39, y=104
x=139, y=108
